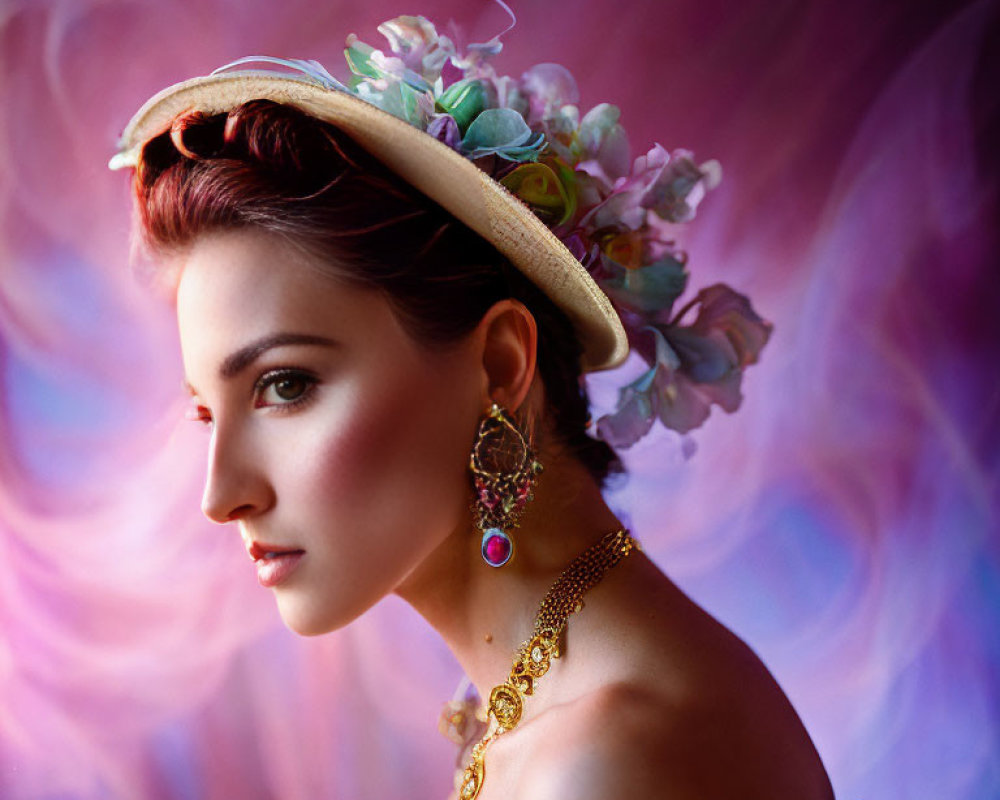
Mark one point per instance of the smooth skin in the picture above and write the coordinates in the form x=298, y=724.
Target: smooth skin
x=333, y=431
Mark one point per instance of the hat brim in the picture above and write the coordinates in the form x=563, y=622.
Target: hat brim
x=435, y=169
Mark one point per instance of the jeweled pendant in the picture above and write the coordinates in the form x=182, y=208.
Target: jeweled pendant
x=497, y=548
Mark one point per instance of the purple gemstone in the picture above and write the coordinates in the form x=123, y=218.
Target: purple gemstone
x=497, y=547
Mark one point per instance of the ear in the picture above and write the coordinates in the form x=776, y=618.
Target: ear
x=509, y=339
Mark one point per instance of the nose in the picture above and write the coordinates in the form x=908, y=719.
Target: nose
x=234, y=487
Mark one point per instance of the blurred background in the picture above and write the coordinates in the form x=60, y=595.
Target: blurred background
x=844, y=522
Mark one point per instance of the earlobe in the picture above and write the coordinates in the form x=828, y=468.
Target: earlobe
x=510, y=342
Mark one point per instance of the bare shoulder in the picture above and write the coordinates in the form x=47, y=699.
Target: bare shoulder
x=612, y=739
x=624, y=741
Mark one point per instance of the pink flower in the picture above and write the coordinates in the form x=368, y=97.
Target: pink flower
x=415, y=40
x=548, y=88
x=692, y=367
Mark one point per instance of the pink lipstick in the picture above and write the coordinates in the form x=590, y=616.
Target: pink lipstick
x=274, y=563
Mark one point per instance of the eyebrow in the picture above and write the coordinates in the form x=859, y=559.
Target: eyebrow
x=238, y=361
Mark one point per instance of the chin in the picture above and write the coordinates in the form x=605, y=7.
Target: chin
x=311, y=621
x=304, y=627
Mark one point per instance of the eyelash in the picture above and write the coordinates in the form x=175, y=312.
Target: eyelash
x=269, y=379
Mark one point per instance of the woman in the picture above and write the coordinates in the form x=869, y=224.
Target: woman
x=380, y=337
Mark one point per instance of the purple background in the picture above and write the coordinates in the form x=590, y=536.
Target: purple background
x=844, y=521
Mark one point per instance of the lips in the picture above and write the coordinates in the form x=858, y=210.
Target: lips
x=260, y=550
x=274, y=562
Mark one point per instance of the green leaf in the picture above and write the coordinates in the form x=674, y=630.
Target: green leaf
x=497, y=127
x=464, y=100
x=358, y=57
x=502, y=132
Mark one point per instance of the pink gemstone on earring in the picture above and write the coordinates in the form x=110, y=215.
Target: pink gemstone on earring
x=496, y=548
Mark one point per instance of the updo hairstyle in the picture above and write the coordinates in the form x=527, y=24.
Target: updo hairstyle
x=272, y=166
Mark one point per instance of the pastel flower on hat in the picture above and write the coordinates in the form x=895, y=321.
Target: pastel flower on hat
x=617, y=215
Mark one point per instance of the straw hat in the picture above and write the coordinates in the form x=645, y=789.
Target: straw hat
x=435, y=169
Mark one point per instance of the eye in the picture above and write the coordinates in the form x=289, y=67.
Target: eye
x=283, y=387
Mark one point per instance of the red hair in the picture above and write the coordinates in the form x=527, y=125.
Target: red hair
x=271, y=166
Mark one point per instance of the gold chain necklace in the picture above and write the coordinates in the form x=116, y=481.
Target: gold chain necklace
x=534, y=655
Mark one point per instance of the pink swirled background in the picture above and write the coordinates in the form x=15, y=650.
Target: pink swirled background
x=844, y=521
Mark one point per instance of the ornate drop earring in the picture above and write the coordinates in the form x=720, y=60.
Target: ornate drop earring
x=504, y=470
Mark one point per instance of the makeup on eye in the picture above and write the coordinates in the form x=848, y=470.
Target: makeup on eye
x=284, y=388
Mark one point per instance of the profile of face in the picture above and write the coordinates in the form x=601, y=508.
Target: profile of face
x=337, y=442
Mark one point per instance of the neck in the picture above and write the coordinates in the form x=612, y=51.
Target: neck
x=485, y=613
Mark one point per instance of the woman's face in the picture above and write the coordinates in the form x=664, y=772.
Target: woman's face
x=337, y=442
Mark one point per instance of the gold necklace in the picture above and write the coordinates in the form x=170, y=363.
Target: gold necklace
x=534, y=655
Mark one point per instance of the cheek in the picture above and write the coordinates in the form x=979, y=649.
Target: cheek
x=391, y=464
x=376, y=477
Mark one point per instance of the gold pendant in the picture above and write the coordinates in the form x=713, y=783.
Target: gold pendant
x=506, y=702
x=506, y=705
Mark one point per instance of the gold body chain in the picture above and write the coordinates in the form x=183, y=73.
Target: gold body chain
x=534, y=656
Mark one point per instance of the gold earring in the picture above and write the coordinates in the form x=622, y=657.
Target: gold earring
x=504, y=470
